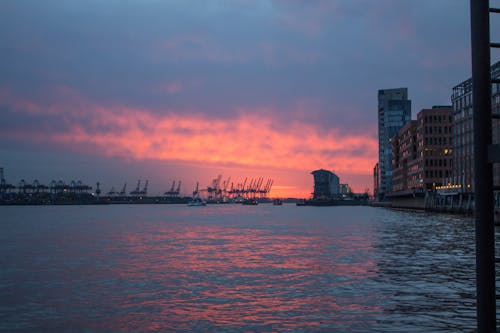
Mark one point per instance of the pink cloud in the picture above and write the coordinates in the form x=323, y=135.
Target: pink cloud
x=250, y=139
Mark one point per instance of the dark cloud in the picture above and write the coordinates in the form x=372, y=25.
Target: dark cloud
x=240, y=53
x=319, y=61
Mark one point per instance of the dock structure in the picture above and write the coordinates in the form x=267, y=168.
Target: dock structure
x=485, y=154
x=226, y=191
x=450, y=202
x=35, y=193
x=76, y=192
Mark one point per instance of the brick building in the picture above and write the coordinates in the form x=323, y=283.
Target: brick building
x=404, y=153
x=422, y=151
x=435, y=146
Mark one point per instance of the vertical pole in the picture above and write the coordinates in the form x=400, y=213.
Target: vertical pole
x=483, y=171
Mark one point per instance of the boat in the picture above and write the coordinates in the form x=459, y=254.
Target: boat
x=250, y=202
x=197, y=201
x=277, y=202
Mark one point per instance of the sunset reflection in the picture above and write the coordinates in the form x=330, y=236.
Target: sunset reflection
x=229, y=276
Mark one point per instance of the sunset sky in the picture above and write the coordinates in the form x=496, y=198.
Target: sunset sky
x=116, y=91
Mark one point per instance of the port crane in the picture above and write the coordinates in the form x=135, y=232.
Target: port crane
x=111, y=192
x=144, y=190
x=137, y=188
x=174, y=192
x=123, y=192
x=4, y=187
x=251, y=188
x=196, y=192
x=171, y=191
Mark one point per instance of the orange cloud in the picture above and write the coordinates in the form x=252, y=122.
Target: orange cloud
x=245, y=140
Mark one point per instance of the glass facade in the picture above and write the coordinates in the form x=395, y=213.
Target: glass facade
x=394, y=111
x=463, y=134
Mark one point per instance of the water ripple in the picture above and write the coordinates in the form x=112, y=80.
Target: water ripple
x=235, y=269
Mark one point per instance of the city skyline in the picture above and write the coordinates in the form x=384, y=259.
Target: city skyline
x=116, y=92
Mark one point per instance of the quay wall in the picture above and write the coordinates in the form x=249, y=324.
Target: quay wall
x=462, y=203
x=417, y=203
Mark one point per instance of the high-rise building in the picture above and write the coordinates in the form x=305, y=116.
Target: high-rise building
x=463, y=132
x=394, y=111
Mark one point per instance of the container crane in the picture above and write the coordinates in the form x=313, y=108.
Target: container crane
x=137, y=189
x=112, y=191
x=123, y=192
x=196, y=191
x=145, y=189
x=173, y=192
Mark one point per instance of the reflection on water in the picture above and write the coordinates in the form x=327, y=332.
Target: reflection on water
x=234, y=268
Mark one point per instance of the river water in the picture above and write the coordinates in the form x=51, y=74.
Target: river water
x=234, y=268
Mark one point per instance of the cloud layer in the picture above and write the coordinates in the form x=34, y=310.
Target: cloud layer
x=258, y=84
x=252, y=138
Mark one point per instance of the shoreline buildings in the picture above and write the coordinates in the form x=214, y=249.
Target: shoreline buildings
x=433, y=154
x=326, y=185
x=463, y=133
x=422, y=151
x=328, y=191
x=394, y=111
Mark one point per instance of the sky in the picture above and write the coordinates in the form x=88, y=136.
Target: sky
x=116, y=91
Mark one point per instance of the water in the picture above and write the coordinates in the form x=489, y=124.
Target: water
x=233, y=268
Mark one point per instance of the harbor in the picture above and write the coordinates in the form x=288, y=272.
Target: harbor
x=234, y=268
x=76, y=192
